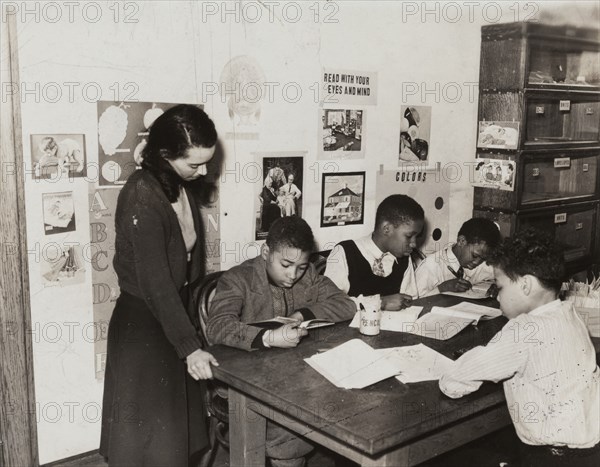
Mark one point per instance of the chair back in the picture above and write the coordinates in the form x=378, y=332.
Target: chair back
x=319, y=259
x=206, y=291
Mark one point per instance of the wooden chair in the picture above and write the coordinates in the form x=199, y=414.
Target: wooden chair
x=319, y=259
x=216, y=393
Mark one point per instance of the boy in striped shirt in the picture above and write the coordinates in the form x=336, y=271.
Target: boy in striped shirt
x=544, y=356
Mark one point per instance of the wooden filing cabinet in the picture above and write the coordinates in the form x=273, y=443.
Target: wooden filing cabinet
x=545, y=81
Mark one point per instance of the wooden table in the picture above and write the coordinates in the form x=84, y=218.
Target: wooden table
x=386, y=424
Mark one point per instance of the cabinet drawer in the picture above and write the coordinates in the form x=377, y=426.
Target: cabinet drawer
x=560, y=177
x=558, y=64
x=573, y=226
x=544, y=178
x=563, y=120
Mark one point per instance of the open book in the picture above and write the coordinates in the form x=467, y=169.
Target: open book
x=443, y=323
x=476, y=292
x=279, y=321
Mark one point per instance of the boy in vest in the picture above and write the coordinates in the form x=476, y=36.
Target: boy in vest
x=380, y=263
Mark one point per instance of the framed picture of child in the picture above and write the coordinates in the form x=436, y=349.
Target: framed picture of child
x=279, y=191
x=58, y=155
x=59, y=212
x=342, y=198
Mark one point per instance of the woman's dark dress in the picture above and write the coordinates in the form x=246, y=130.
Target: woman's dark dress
x=153, y=411
x=270, y=211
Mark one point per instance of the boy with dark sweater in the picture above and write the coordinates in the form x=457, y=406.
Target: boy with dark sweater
x=280, y=282
x=380, y=263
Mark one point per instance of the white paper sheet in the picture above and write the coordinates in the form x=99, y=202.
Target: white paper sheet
x=353, y=365
x=417, y=363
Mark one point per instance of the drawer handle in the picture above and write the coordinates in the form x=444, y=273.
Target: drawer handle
x=539, y=110
x=535, y=172
x=560, y=218
x=589, y=111
x=579, y=226
x=562, y=162
x=564, y=105
x=586, y=167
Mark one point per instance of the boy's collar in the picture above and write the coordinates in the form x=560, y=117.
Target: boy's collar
x=544, y=308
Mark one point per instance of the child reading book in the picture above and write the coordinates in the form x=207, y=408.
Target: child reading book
x=460, y=265
x=543, y=355
x=279, y=282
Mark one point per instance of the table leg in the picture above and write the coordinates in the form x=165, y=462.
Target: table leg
x=247, y=432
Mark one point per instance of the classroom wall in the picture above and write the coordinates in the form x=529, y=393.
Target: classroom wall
x=169, y=52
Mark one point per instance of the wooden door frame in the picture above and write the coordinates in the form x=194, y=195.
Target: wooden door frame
x=18, y=429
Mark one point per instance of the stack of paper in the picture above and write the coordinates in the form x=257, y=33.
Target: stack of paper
x=353, y=365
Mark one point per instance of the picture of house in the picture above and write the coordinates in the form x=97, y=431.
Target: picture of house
x=345, y=205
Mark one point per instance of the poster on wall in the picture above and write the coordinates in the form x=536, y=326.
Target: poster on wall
x=348, y=87
x=495, y=173
x=58, y=212
x=57, y=155
x=415, y=133
x=279, y=190
x=101, y=251
x=342, y=198
x=210, y=213
x=105, y=287
x=431, y=189
x=62, y=265
x=242, y=89
x=498, y=135
x=122, y=134
x=341, y=134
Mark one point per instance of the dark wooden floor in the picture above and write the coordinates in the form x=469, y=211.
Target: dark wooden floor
x=492, y=450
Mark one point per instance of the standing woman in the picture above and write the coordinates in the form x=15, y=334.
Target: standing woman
x=153, y=411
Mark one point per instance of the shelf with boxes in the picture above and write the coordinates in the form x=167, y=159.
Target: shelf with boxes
x=539, y=107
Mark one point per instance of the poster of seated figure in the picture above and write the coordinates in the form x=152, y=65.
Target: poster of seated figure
x=415, y=133
x=279, y=190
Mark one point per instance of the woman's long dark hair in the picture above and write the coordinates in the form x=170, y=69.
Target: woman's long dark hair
x=171, y=135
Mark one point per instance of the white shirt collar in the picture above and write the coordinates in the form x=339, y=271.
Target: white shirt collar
x=554, y=304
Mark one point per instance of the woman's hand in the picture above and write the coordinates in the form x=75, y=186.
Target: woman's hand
x=198, y=364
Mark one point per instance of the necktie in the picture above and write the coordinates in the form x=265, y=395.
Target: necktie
x=378, y=267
